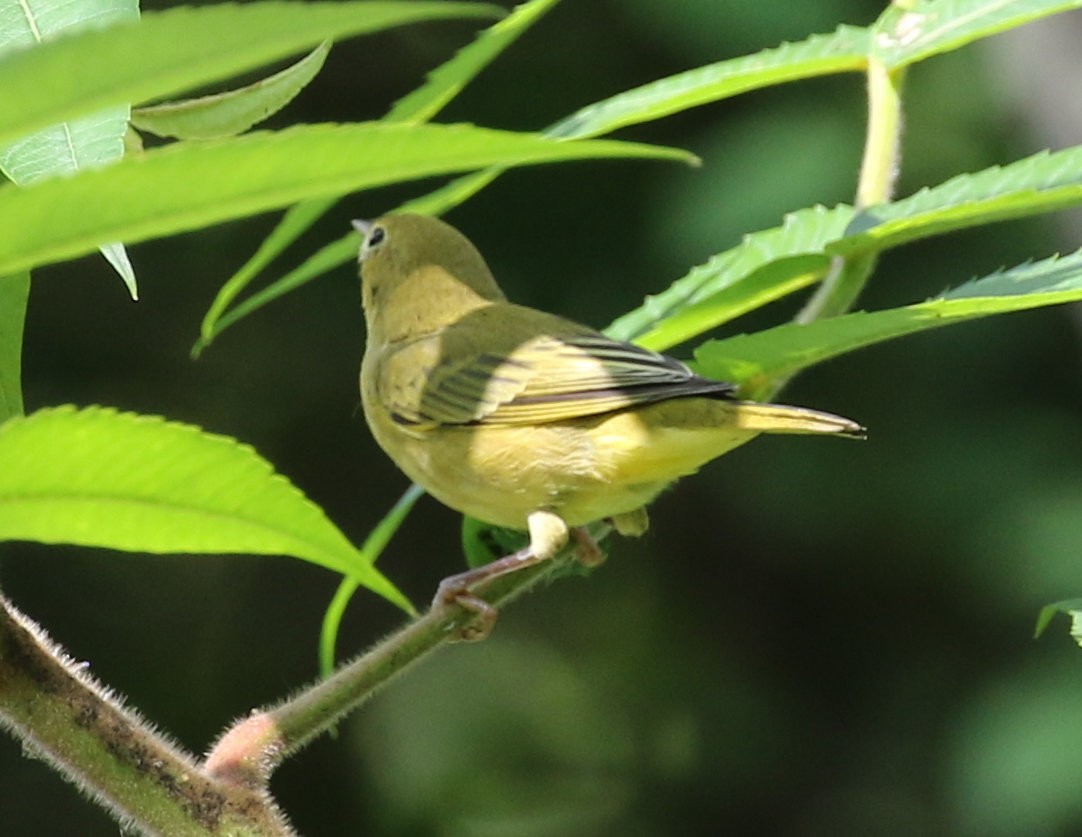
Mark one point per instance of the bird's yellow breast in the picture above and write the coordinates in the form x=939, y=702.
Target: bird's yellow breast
x=583, y=469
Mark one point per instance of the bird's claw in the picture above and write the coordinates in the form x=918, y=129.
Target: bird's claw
x=481, y=616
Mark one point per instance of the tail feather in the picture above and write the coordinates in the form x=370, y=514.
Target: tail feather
x=779, y=418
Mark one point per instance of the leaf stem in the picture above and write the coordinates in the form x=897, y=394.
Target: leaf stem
x=878, y=172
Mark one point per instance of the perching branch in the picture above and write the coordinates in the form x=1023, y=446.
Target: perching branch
x=53, y=706
x=248, y=753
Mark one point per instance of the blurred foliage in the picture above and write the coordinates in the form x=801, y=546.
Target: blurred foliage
x=814, y=638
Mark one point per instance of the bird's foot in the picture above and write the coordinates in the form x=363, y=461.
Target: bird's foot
x=548, y=534
x=587, y=551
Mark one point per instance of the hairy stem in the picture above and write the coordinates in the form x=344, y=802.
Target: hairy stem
x=58, y=711
x=249, y=752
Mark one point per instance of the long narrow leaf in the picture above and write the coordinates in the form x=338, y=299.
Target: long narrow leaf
x=183, y=186
x=235, y=111
x=755, y=360
x=328, y=257
x=97, y=477
x=371, y=549
x=296, y=221
x=442, y=85
x=447, y=80
x=844, y=50
x=169, y=52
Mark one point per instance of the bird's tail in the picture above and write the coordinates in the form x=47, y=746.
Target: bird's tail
x=779, y=418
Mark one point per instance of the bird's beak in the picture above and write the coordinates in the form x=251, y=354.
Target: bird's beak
x=362, y=227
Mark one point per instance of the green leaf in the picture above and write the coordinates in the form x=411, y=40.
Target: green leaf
x=447, y=80
x=843, y=50
x=370, y=551
x=756, y=360
x=483, y=543
x=294, y=223
x=14, y=292
x=328, y=257
x=97, y=477
x=908, y=33
x=419, y=106
x=186, y=186
x=771, y=282
x=1071, y=607
x=1041, y=183
x=169, y=52
x=765, y=266
x=87, y=142
x=233, y=112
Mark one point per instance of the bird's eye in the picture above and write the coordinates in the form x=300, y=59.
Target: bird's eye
x=376, y=237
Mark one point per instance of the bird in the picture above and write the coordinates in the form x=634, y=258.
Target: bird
x=524, y=419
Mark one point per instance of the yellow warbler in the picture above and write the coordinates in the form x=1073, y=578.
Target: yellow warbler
x=522, y=418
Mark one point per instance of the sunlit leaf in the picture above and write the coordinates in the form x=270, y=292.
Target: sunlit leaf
x=442, y=85
x=14, y=292
x=98, y=477
x=169, y=52
x=186, y=186
x=86, y=142
x=756, y=360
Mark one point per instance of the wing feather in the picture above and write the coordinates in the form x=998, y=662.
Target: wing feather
x=558, y=371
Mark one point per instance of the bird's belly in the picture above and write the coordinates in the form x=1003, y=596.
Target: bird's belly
x=583, y=470
x=504, y=473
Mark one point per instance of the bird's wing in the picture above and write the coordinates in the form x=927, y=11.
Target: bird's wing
x=564, y=372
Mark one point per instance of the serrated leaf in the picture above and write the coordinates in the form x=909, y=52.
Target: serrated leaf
x=87, y=142
x=843, y=50
x=235, y=111
x=736, y=281
x=911, y=32
x=756, y=360
x=771, y=282
x=422, y=104
x=187, y=186
x=1041, y=183
x=14, y=292
x=98, y=477
x=166, y=53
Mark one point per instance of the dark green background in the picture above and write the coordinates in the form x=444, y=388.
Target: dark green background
x=816, y=637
